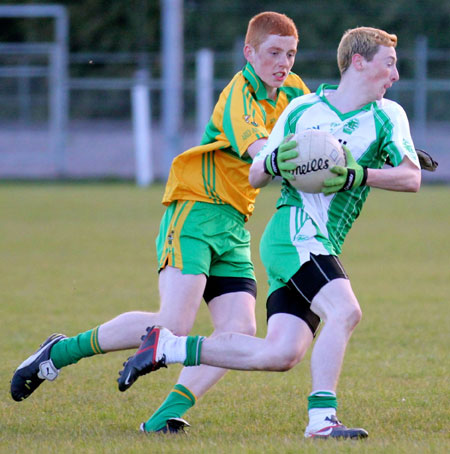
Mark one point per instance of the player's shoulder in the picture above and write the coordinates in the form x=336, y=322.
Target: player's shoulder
x=294, y=86
x=293, y=80
x=391, y=108
x=308, y=99
x=238, y=78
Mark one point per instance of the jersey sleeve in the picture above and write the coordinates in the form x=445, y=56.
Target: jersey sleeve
x=243, y=119
x=398, y=142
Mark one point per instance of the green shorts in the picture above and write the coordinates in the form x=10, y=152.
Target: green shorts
x=203, y=238
x=287, y=242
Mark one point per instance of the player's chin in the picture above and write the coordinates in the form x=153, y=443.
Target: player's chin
x=278, y=82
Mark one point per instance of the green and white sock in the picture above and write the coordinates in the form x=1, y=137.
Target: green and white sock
x=177, y=403
x=193, y=350
x=320, y=405
x=71, y=350
x=183, y=349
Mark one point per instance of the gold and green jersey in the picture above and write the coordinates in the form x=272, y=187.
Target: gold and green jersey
x=217, y=170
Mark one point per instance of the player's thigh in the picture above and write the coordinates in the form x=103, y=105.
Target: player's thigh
x=290, y=300
x=289, y=337
x=289, y=239
x=181, y=296
x=233, y=312
x=230, y=245
x=336, y=300
x=184, y=236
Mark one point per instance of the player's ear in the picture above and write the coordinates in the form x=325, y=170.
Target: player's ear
x=358, y=61
x=248, y=52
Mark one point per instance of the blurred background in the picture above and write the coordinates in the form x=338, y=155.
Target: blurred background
x=98, y=89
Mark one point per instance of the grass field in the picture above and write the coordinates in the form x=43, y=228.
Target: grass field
x=73, y=256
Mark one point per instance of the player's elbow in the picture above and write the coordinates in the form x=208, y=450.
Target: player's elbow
x=413, y=184
x=415, y=188
x=411, y=176
x=252, y=180
x=257, y=177
x=417, y=184
x=259, y=180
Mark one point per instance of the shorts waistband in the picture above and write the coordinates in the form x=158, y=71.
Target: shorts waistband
x=225, y=209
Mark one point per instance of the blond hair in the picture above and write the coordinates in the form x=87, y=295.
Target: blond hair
x=364, y=41
x=269, y=23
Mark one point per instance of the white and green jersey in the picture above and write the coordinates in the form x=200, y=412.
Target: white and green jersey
x=374, y=133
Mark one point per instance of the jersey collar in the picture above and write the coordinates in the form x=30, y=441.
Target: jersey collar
x=321, y=94
x=257, y=84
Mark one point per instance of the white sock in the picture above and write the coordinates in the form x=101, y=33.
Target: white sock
x=317, y=416
x=175, y=349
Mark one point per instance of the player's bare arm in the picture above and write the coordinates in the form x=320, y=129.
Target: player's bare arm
x=277, y=163
x=257, y=177
x=406, y=177
x=255, y=147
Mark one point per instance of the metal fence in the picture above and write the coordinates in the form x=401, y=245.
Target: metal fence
x=81, y=115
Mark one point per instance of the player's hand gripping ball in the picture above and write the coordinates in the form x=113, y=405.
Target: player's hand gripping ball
x=318, y=152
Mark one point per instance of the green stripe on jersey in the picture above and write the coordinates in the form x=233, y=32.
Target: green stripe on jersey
x=292, y=92
x=210, y=134
x=209, y=176
x=227, y=123
x=385, y=130
x=248, y=100
x=293, y=117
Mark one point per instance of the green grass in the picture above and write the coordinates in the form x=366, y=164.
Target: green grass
x=73, y=256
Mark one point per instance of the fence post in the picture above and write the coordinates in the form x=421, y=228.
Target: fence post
x=59, y=88
x=204, y=89
x=140, y=101
x=420, y=90
x=238, y=54
x=172, y=75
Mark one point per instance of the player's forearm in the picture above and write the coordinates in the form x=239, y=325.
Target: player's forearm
x=405, y=178
x=257, y=177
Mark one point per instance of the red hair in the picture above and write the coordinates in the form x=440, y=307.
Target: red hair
x=269, y=23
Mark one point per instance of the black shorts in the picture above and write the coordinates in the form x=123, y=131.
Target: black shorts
x=219, y=285
x=296, y=297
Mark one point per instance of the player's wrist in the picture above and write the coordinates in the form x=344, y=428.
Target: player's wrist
x=271, y=164
x=355, y=177
x=364, y=176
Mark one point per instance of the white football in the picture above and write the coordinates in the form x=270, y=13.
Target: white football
x=318, y=152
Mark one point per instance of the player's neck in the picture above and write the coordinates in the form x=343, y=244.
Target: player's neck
x=272, y=93
x=349, y=96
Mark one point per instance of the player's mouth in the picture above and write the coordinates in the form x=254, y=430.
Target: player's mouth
x=280, y=76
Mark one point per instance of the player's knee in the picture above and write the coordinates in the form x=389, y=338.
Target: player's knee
x=240, y=326
x=247, y=327
x=284, y=357
x=355, y=316
x=352, y=315
x=288, y=359
x=251, y=328
x=180, y=328
x=348, y=315
x=178, y=325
